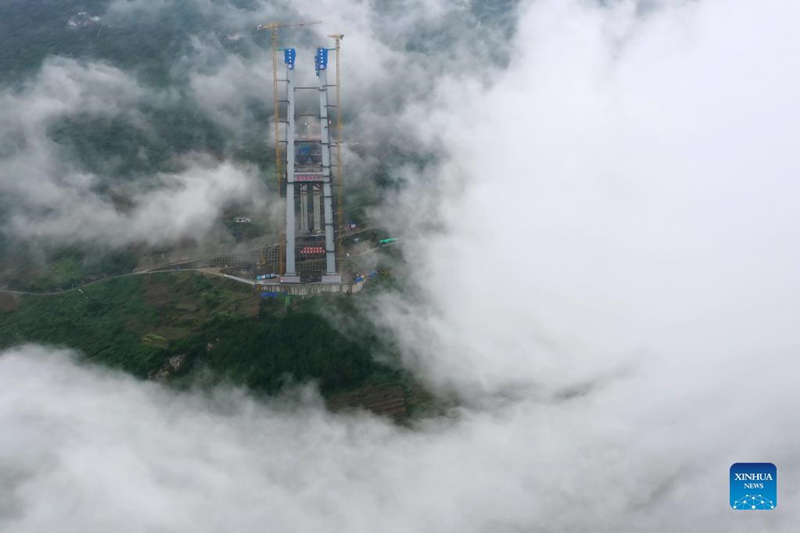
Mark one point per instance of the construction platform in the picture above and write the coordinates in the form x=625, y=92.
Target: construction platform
x=271, y=288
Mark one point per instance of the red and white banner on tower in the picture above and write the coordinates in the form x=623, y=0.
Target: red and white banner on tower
x=305, y=178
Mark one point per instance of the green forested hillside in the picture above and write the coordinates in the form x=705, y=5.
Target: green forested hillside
x=189, y=329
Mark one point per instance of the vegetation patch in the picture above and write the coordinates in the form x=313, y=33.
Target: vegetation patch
x=189, y=329
x=151, y=339
x=8, y=302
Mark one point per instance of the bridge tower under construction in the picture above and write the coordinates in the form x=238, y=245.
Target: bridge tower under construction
x=310, y=229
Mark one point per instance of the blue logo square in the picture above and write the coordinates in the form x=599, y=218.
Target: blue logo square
x=754, y=486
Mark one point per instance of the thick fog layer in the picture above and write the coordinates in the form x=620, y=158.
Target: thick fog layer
x=50, y=195
x=99, y=142
x=625, y=193
x=605, y=273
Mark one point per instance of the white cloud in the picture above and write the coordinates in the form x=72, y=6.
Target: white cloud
x=52, y=197
x=184, y=205
x=602, y=199
x=86, y=450
x=611, y=290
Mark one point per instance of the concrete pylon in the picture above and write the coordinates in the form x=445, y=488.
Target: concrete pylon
x=331, y=276
x=291, y=273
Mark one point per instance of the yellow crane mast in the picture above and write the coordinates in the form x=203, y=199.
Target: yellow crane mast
x=337, y=37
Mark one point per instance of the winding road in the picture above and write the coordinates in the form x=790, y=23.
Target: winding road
x=209, y=271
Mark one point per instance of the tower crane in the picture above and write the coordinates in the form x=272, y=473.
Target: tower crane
x=337, y=37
